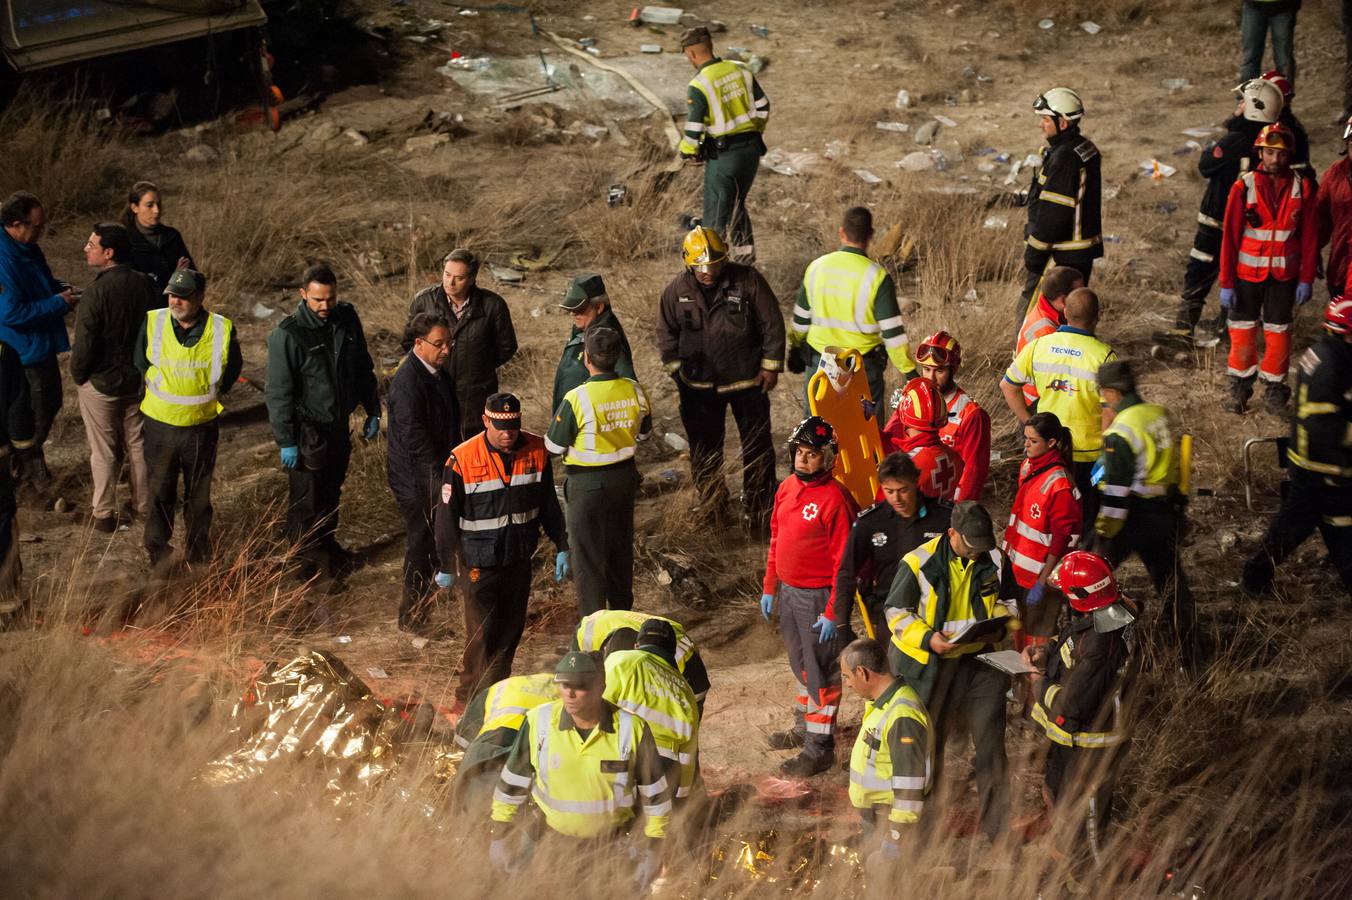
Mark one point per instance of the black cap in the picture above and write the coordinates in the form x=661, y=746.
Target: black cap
x=971, y=520
x=503, y=411
x=697, y=35
x=1117, y=375
x=657, y=633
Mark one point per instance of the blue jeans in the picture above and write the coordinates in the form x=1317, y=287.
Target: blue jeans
x=1254, y=26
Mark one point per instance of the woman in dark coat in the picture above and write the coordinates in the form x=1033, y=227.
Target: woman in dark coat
x=156, y=249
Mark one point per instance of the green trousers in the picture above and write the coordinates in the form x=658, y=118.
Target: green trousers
x=727, y=181
x=599, y=507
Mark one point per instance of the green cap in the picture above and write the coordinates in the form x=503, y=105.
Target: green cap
x=577, y=667
x=583, y=288
x=185, y=283
x=971, y=520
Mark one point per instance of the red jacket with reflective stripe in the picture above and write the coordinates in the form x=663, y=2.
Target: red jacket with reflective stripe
x=940, y=467
x=1284, y=244
x=1045, y=519
x=808, y=530
x=968, y=433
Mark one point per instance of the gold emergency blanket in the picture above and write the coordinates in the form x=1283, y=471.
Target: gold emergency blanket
x=796, y=862
x=315, y=711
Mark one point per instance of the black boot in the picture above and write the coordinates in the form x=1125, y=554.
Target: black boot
x=1276, y=396
x=1241, y=389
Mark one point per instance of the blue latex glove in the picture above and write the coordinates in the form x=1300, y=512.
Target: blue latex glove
x=1304, y=291
x=290, y=457
x=825, y=628
x=1228, y=297
x=371, y=430
x=1035, y=595
x=562, y=568
x=501, y=856
x=767, y=605
x=445, y=580
x=649, y=867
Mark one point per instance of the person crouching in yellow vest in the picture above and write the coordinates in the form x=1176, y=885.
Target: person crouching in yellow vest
x=891, y=764
x=597, y=428
x=189, y=358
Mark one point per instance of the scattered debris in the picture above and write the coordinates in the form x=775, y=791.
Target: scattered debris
x=650, y=48
x=377, y=672
x=356, y=137
x=1090, y=27
x=995, y=223
x=918, y=161
x=1157, y=170
x=1046, y=24
x=506, y=275
x=675, y=442
x=757, y=64
x=760, y=31
x=344, y=639
x=1167, y=208
x=836, y=149
x=970, y=296
x=616, y=195
x=867, y=177
x=925, y=133
x=468, y=64
x=418, y=642
x=946, y=121
x=660, y=15
x=1174, y=85
x=901, y=127
x=903, y=99
x=424, y=142
x=788, y=162
x=1200, y=133
x=261, y=312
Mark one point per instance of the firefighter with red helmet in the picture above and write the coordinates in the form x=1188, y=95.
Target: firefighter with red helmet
x=1320, y=454
x=1269, y=254
x=919, y=414
x=808, y=530
x=1080, y=698
x=968, y=428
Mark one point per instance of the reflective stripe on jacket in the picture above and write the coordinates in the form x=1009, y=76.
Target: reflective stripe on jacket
x=892, y=760
x=1045, y=510
x=182, y=383
x=608, y=419
x=1063, y=369
x=649, y=687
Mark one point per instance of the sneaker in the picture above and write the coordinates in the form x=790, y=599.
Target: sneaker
x=805, y=765
x=787, y=740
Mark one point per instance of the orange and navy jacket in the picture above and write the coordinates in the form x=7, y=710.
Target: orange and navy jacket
x=493, y=504
x=1270, y=229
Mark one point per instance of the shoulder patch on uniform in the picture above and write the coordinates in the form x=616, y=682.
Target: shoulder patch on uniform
x=1086, y=150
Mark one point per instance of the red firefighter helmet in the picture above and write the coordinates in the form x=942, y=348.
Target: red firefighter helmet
x=922, y=406
x=1087, y=581
x=1338, y=315
x=940, y=349
x=1282, y=84
x=1277, y=137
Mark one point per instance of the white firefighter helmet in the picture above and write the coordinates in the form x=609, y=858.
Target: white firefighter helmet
x=1262, y=100
x=1061, y=102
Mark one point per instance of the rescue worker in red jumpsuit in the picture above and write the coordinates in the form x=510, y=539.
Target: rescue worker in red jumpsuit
x=1320, y=453
x=1044, y=524
x=1089, y=670
x=914, y=430
x=1269, y=254
x=968, y=429
x=1333, y=209
x=808, y=529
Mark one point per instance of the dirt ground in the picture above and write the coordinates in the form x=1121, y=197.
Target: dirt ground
x=531, y=176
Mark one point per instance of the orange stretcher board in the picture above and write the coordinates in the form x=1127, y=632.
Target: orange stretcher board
x=839, y=393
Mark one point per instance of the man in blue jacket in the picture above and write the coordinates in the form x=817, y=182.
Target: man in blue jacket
x=33, y=307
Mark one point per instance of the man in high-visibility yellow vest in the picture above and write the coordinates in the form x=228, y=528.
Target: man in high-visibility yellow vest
x=1062, y=368
x=726, y=112
x=645, y=681
x=189, y=358
x=595, y=630
x=1142, y=510
x=892, y=759
x=588, y=766
x=942, y=610
x=597, y=428
x=848, y=301
x=487, y=729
